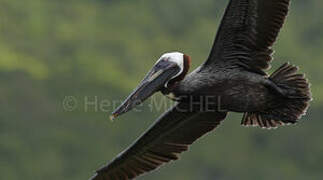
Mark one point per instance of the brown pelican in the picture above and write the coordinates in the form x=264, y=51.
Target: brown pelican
x=233, y=78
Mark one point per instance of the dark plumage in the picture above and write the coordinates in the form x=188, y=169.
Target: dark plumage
x=232, y=79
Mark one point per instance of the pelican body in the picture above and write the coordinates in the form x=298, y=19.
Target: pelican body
x=232, y=90
x=233, y=78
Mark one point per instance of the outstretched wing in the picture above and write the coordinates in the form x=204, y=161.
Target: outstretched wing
x=170, y=135
x=247, y=31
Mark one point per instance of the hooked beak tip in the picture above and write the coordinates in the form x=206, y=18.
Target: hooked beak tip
x=112, y=117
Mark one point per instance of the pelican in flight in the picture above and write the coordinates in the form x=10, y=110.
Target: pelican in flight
x=233, y=78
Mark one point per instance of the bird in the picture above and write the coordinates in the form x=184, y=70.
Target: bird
x=234, y=78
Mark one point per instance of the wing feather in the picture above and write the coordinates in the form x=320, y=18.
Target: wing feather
x=246, y=34
x=172, y=133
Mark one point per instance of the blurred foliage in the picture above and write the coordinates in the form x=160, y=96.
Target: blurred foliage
x=100, y=49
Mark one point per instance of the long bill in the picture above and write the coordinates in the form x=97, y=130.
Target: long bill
x=154, y=81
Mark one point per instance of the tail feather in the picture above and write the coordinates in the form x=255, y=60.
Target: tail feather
x=294, y=104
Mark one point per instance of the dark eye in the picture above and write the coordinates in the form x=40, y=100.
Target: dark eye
x=163, y=60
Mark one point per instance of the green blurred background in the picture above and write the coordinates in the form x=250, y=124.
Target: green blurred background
x=51, y=50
